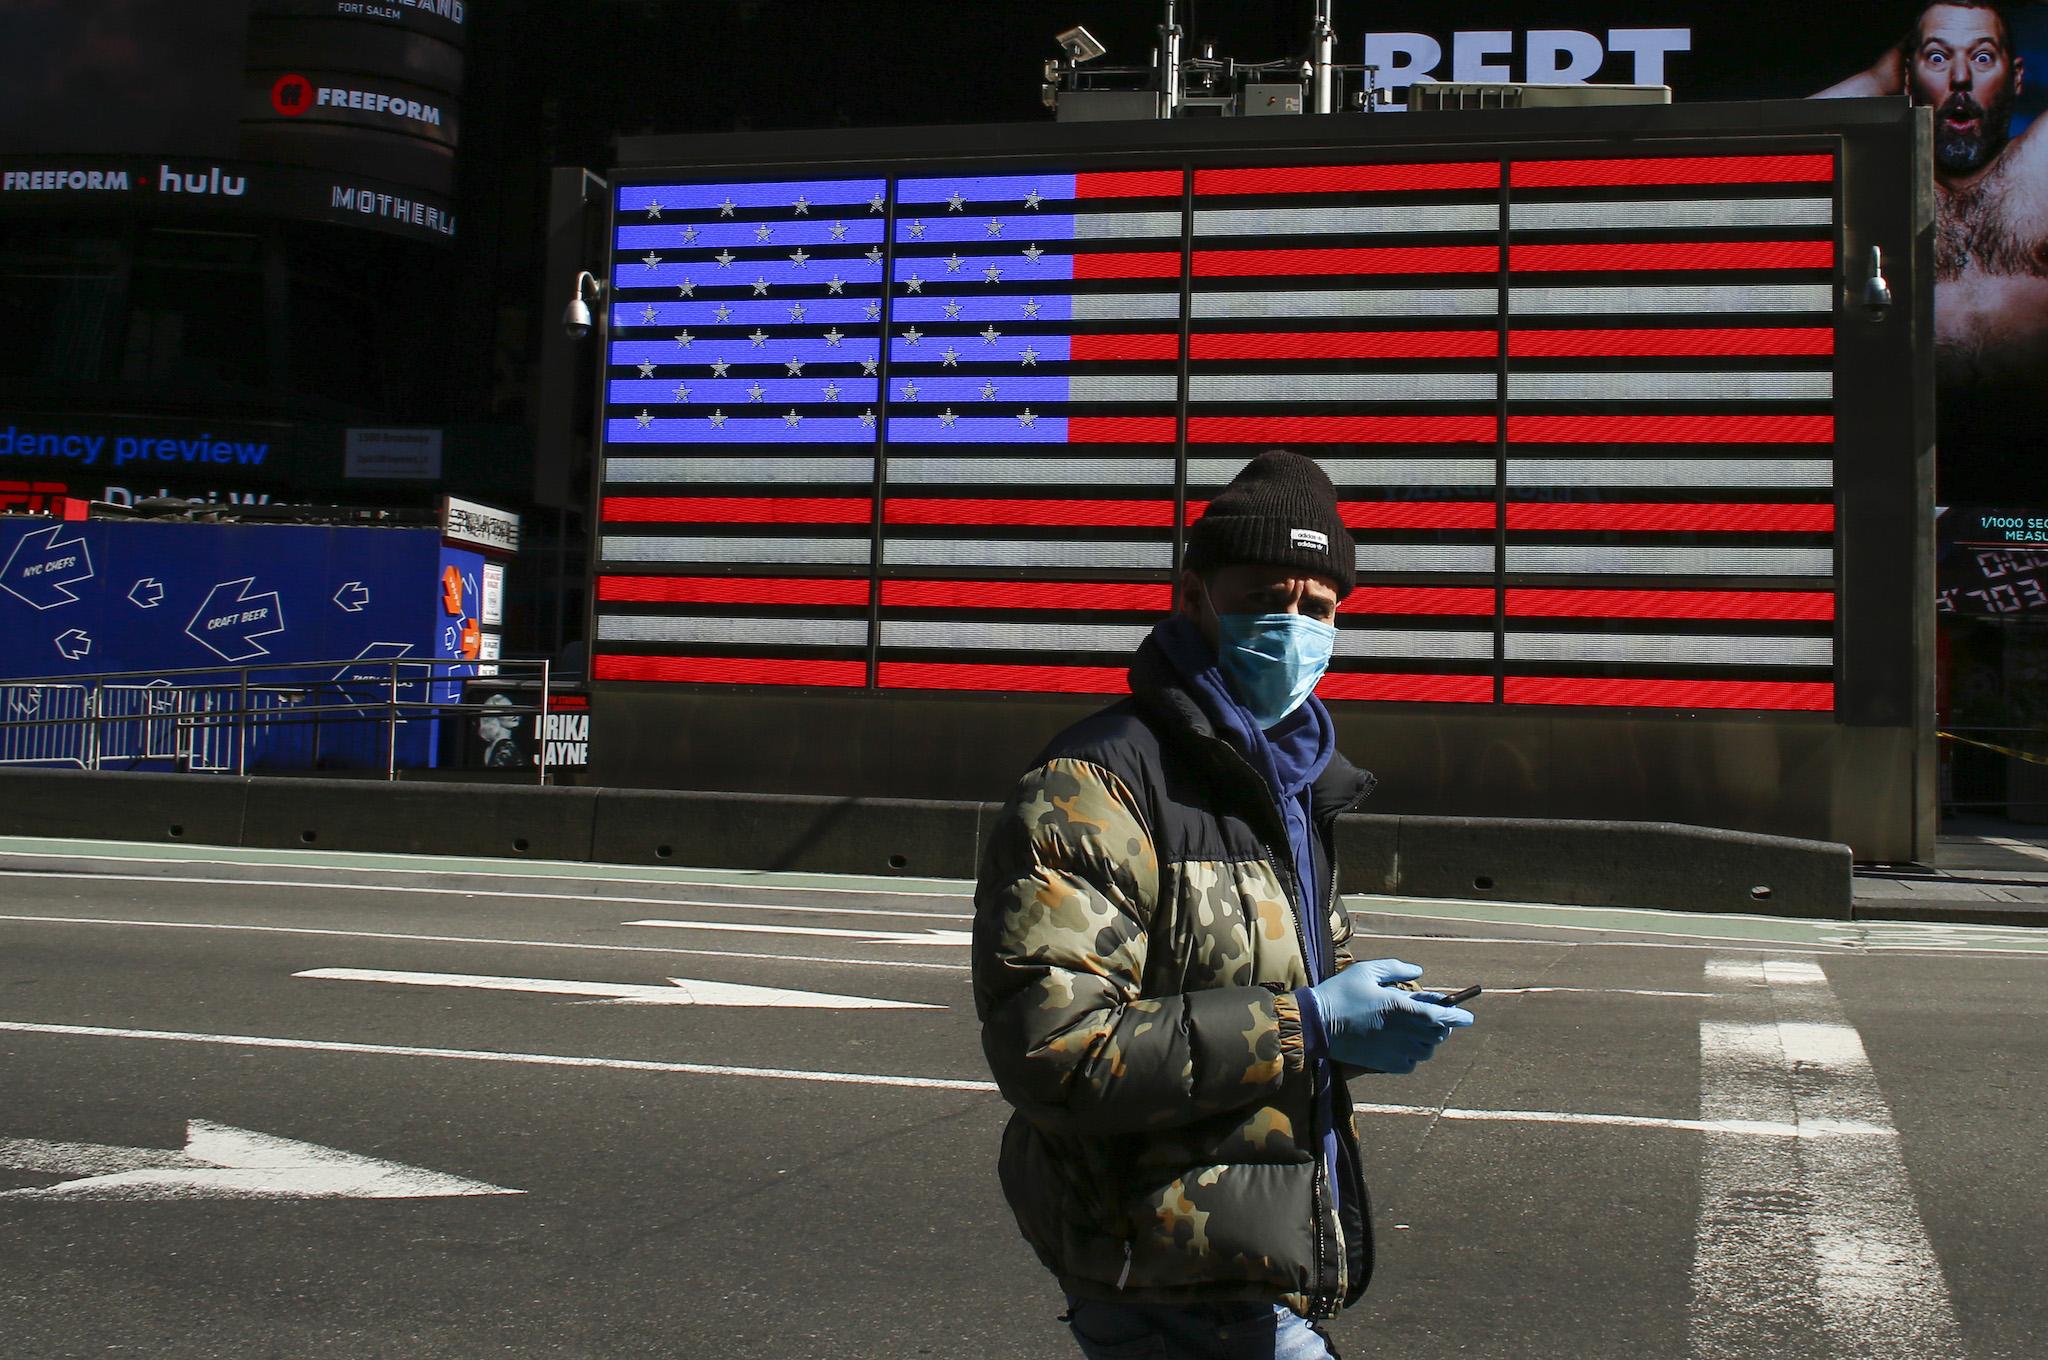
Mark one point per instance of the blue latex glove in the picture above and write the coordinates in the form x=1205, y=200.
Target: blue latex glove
x=1373, y=1025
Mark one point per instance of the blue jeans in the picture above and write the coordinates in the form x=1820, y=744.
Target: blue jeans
x=1223, y=1331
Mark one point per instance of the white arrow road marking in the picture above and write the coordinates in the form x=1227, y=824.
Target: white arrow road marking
x=221, y=1162
x=960, y=938
x=678, y=992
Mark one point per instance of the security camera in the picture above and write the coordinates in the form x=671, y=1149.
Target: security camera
x=1080, y=45
x=576, y=316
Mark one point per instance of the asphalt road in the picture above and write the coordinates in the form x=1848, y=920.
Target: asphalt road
x=1669, y=1136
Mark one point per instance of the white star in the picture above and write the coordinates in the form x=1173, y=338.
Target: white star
x=910, y=391
x=867, y=418
x=949, y=357
x=683, y=339
x=725, y=208
x=759, y=337
x=756, y=392
x=874, y=255
x=644, y=419
x=802, y=206
x=760, y=285
x=991, y=335
x=792, y=419
x=681, y=393
x=912, y=336
x=838, y=230
x=763, y=232
x=653, y=208
x=1026, y=418
x=650, y=259
x=717, y=419
x=988, y=391
x=872, y=310
x=992, y=274
x=995, y=226
x=718, y=367
x=957, y=202
x=725, y=259
x=835, y=284
x=913, y=284
x=867, y=367
x=687, y=288
x=647, y=314
x=916, y=230
x=1032, y=252
x=689, y=235
x=833, y=337
x=1031, y=200
x=952, y=310
x=953, y=263
x=799, y=259
x=796, y=311
x=1027, y=356
x=946, y=417
x=1031, y=309
x=722, y=313
x=875, y=203
x=646, y=369
x=832, y=390
x=795, y=367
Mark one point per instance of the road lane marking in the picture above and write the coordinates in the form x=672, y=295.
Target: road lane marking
x=1596, y=991
x=329, y=932
x=1783, y=1130
x=1812, y=1234
x=677, y=992
x=958, y=938
x=220, y=1161
x=481, y=1055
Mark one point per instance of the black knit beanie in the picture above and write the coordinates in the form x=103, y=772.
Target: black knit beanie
x=1280, y=510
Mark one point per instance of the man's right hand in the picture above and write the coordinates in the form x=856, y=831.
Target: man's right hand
x=1371, y=1024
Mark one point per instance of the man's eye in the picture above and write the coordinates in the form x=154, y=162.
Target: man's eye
x=1936, y=59
x=1983, y=58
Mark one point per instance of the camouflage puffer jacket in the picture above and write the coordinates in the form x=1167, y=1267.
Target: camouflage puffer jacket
x=1136, y=950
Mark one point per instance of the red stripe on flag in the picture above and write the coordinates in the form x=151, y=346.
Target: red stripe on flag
x=1122, y=429
x=1339, y=345
x=1127, y=183
x=1143, y=514
x=1681, y=255
x=1419, y=689
x=1468, y=601
x=1029, y=679
x=737, y=509
x=1792, y=606
x=1401, y=514
x=1677, y=341
x=729, y=590
x=1128, y=264
x=1340, y=429
x=1026, y=595
x=1812, y=169
x=1671, y=429
x=1643, y=517
x=1777, y=695
x=730, y=670
x=1349, y=179
x=1085, y=347
x=1212, y=264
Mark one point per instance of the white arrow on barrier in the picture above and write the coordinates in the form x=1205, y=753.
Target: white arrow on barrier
x=958, y=938
x=221, y=1162
x=677, y=992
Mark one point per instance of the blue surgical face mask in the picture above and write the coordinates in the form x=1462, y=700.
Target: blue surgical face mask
x=1273, y=661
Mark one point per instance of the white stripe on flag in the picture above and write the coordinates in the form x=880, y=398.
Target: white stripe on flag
x=1407, y=557
x=1725, y=472
x=1715, y=386
x=1120, y=226
x=1672, y=561
x=1347, y=473
x=1315, y=302
x=1677, y=300
x=1009, y=552
x=1123, y=387
x=808, y=632
x=1009, y=469
x=638, y=548
x=1306, y=221
x=1127, y=306
x=1672, y=649
x=1438, y=644
x=799, y=470
x=1341, y=387
x=1014, y=637
x=1817, y=211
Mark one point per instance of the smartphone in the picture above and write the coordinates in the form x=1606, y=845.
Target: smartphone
x=1460, y=997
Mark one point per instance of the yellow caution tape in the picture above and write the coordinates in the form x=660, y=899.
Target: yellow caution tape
x=1988, y=746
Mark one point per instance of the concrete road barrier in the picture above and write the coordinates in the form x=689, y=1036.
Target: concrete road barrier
x=505, y=820
x=125, y=807
x=787, y=832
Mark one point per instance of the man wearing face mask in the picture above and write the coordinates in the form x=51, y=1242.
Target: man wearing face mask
x=1160, y=964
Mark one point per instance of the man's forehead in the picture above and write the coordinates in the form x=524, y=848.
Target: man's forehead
x=1260, y=575
x=1960, y=26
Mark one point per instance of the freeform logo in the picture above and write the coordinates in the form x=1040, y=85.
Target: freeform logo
x=291, y=95
x=51, y=181
x=371, y=101
x=372, y=203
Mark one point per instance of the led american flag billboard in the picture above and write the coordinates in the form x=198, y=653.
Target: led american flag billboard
x=944, y=431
